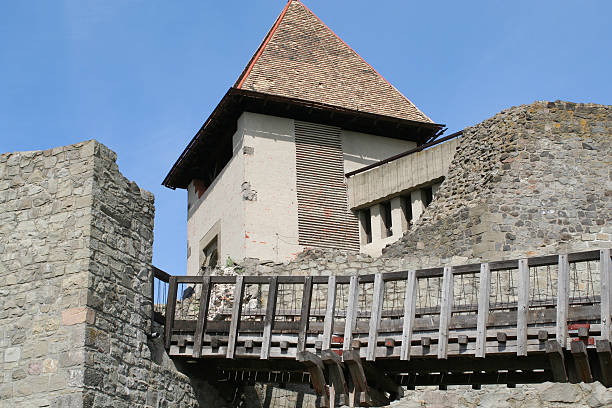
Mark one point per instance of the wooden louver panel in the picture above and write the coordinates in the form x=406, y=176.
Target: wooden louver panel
x=324, y=219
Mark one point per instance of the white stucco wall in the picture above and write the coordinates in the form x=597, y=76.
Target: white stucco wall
x=222, y=202
x=361, y=149
x=271, y=229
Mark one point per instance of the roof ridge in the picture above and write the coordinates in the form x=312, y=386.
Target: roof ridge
x=247, y=70
x=358, y=55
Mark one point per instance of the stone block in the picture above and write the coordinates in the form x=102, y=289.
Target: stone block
x=78, y=315
x=12, y=354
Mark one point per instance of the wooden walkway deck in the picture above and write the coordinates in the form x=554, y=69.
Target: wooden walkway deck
x=359, y=339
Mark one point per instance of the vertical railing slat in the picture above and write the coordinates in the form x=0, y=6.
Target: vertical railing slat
x=269, y=318
x=563, y=275
x=605, y=266
x=305, y=314
x=377, y=304
x=484, y=294
x=236, y=311
x=202, y=315
x=409, y=312
x=523, y=307
x=170, y=308
x=445, y=312
x=328, y=324
x=351, y=312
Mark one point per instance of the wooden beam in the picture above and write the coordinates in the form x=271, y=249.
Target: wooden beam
x=557, y=361
x=235, y=321
x=170, y=310
x=409, y=312
x=269, y=318
x=523, y=307
x=445, y=312
x=562, y=300
x=315, y=367
x=604, y=354
x=484, y=293
x=202, y=316
x=377, y=305
x=339, y=393
x=581, y=361
x=605, y=266
x=328, y=323
x=304, y=313
x=351, y=312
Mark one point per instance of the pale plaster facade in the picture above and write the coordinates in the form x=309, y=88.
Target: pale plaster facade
x=251, y=207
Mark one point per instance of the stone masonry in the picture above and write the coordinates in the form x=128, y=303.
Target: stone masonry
x=75, y=254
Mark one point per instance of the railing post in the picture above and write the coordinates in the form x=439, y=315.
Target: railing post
x=377, y=305
x=484, y=293
x=328, y=325
x=170, y=308
x=269, y=318
x=523, y=307
x=562, y=300
x=202, y=315
x=305, y=314
x=606, y=292
x=236, y=311
x=351, y=312
x=446, y=306
x=409, y=312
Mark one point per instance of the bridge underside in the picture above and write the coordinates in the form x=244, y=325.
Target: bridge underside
x=485, y=330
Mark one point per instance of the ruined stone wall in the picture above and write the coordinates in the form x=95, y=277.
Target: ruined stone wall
x=532, y=180
x=75, y=254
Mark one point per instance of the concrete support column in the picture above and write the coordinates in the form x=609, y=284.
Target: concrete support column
x=417, y=201
x=377, y=224
x=363, y=236
x=398, y=217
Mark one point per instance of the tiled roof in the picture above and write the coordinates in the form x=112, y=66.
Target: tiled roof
x=302, y=58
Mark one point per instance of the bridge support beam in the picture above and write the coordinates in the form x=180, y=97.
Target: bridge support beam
x=339, y=394
x=315, y=367
x=557, y=360
x=581, y=361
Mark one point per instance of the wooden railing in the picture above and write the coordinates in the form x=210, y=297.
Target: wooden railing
x=541, y=306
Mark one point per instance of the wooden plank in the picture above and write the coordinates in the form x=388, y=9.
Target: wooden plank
x=409, y=311
x=523, y=307
x=377, y=304
x=269, y=318
x=446, y=306
x=557, y=361
x=351, y=312
x=235, y=321
x=562, y=300
x=202, y=315
x=328, y=323
x=484, y=294
x=170, y=309
x=606, y=293
x=304, y=313
x=604, y=355
x=581, y=361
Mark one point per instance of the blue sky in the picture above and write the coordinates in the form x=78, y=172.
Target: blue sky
x=141, y=76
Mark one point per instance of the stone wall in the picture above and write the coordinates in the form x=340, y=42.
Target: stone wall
x=75, y=254
x=532, y=180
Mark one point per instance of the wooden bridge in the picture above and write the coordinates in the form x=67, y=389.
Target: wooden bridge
x=359, y=340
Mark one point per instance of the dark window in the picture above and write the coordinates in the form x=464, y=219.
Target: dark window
x=428, y=195
x=385, y=212
x=407, y=209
